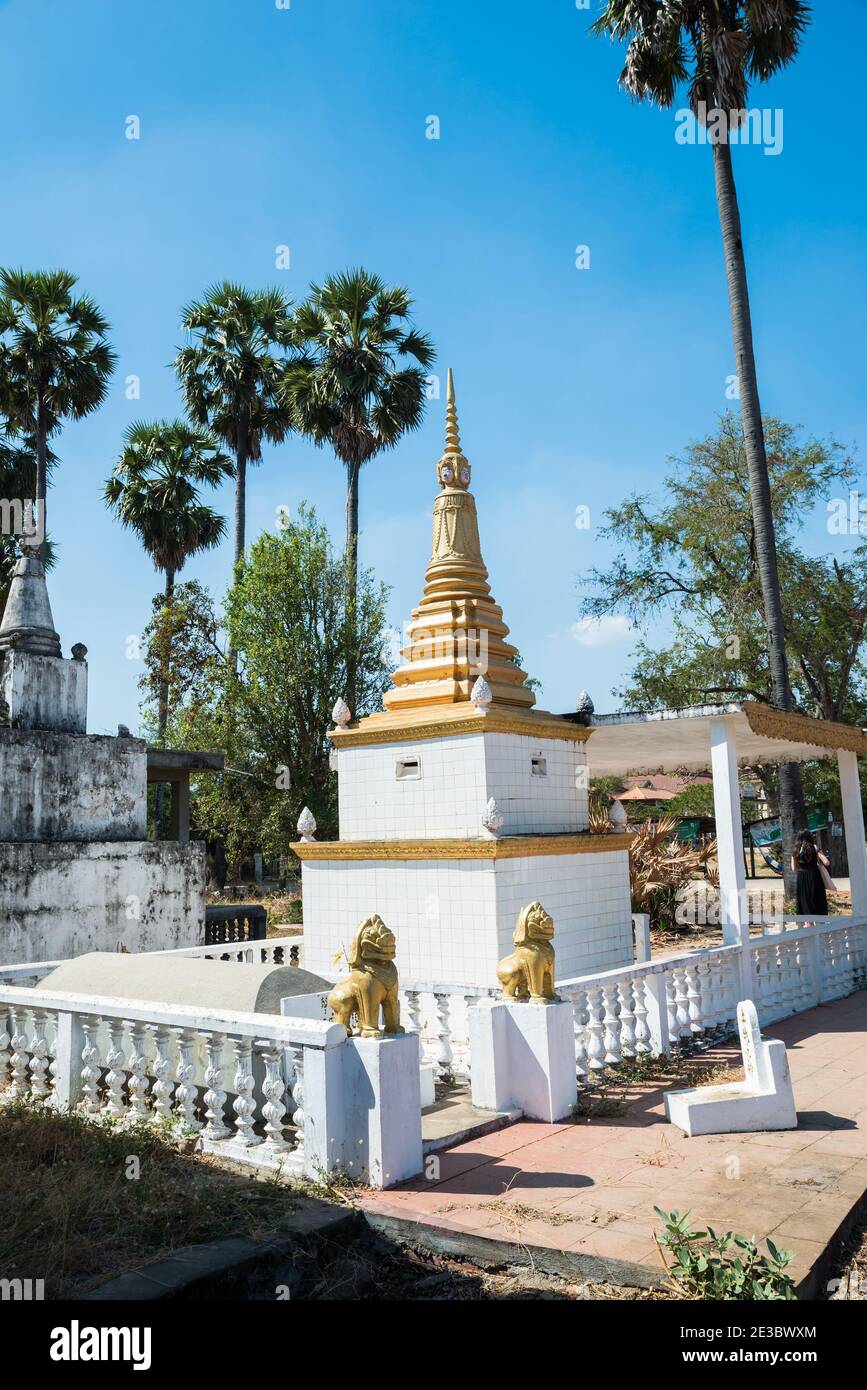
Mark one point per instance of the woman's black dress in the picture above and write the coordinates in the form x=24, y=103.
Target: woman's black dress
x=811, y=896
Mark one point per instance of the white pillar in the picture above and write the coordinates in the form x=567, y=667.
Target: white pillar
x=734, y=908
x=853, y=824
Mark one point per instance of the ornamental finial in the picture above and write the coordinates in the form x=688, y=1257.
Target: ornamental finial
x=453, y=470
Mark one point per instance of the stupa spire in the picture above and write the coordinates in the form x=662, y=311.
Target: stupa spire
x=27, y=624
x=457, y=632
x=453, y=469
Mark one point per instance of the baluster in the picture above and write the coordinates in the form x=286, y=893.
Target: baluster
x=579, y=1023
x=611, y=1024
x=731, y=992
x=792, y=977
x=671, y=1005
x=185, y=1092
x=244, y=1105
x=643, y=1042
x=467, y=1064
x=91, y=1070
x=693, y=996
x=138, y=1083
x=627, y=1017
x=684, y=1031
x=413, y=1009
x=706, y=995
x=273, y=1110
x=804, y=981
x=39, y=1088
x=215, y=1096
x=596, y=1030
x=18, y=1087
x=443, y=1051
x=297, y=1088
x=116, y=1074
x=162, y=1089
x=5, y=1053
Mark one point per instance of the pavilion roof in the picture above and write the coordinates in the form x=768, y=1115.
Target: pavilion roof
x=672, y=739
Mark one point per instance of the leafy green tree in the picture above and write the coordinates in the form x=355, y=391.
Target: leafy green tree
x=55, y=361
x=230, y=373
x=287, y=621
x=717, y=47
x=358, y=386
x=693, y=555
x=155, y=492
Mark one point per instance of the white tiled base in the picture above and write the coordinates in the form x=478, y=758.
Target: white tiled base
x=455, y=779
x=454, y=918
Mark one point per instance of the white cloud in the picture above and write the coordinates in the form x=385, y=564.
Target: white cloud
x=601, y=632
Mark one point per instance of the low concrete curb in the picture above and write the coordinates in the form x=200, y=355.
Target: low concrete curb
x=507, y=1254
x=234, y=1268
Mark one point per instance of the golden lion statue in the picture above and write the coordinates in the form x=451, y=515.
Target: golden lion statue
x=371, y=984
x=529, y=972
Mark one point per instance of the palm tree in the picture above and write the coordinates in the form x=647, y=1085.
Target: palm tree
x=354, y=387
x=154, y=491
x=55, y=360
x=718, y=46
x=18, y=480
x=230, y=374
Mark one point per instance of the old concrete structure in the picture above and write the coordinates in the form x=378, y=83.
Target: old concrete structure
x=76, y=871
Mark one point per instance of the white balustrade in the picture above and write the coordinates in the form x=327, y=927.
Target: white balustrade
x=138, y=1062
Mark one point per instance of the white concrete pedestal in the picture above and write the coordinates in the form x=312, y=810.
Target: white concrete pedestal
x=764, y=1100
x=523, y=1058
x=383, y=1109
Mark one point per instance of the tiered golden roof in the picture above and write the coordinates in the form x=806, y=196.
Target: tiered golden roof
x=457, y=632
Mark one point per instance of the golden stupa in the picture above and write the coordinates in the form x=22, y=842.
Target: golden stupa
x=457, y=632
x=458, y=673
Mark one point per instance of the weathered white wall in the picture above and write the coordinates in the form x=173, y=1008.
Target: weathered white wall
x=56, y=786
x=62, y=899
x=457, y=777
x=44, y=692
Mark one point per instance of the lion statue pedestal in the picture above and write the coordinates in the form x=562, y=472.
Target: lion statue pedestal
x=522, y=1047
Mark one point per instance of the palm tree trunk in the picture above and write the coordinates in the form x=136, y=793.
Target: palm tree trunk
x=240, y=496
x=41, y=472
x=353, y=471
x=163, y=717
x=792, y=811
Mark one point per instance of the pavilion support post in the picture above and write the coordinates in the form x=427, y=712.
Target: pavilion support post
x=853, y=825
x=734, y=905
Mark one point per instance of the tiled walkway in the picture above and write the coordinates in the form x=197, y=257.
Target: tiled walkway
x=589, y=1188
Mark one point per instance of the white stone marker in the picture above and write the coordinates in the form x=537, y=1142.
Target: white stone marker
x=523, y=1058
x=764, y=1100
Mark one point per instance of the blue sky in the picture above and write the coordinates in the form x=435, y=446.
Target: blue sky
x=306, y=127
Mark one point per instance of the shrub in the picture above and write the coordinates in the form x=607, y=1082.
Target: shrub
x=704, y=1265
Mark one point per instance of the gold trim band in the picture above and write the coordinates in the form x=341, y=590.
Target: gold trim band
x=802, y=728
x=446, y=727
x=509, y=847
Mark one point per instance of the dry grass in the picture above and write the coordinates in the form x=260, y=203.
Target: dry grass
x=75, y=1214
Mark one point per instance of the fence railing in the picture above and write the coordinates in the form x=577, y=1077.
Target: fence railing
x=235, y=922
x=268, y=952
x=685, y=1001
x=234, y=1080
x=238, y=1079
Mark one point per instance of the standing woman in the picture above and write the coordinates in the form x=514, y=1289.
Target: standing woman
x=807, y=861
